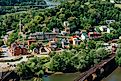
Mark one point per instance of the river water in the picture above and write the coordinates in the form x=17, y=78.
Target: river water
x=59, y=77
x=114, y=76
x=62, y=77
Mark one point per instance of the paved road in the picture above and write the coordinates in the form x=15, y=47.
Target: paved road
x=5, y=67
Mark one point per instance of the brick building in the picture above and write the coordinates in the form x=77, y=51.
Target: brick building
x=17, y=49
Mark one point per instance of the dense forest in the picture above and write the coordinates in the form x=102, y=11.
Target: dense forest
x=20, y=2
x=80, y=15
x=13, y=6
x=32, y=2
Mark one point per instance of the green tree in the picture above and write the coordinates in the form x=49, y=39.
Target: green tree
x=102, y=53
x=32, y=46
x=118, y=56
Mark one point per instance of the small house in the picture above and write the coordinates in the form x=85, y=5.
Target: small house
x=42, y=50
x=110, y=21
x=63, y=33
x=67, y=30
x=74, y=40
x=84, y=36
x=52, y=44
x=55, y=30
x=104, y=29
x=66, y=24
x=31, y=41
x=94, y=35
x=65, y=43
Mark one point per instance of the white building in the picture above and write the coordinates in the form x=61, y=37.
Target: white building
x=110, y=21
x=66, y=23
x=104, y=29
x=55, y=30
x=84, y=36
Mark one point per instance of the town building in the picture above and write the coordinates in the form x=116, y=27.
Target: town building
x=52, y=45
x=84, y=35
x=41, y=49
x=65, y=43
x=29, y=42
x=64, y=33
x=93, y=35
x=66, y=26
x=43, y=36
x=110, y=21
x=104, y=29
x=18, y=49
x=55, y=30
x=75, y=40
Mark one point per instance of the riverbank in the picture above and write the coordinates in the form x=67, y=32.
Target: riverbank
x=60, y=77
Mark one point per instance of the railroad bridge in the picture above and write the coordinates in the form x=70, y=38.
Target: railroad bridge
x=99, y=71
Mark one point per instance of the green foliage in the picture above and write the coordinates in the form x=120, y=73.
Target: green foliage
x=82, y=45
x=66, y=61
x=34, y=67
x=99, y=45
x=32, y=46
x=61, y=62
x=69, y=61
x=91, y=44
x=1, y=42
x=12, y=38
x=79, y=17
x=20, y=2
x=107, y=37
x=102, y=53
x=118, y=56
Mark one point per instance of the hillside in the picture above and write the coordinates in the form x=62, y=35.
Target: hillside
x=20, y=2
